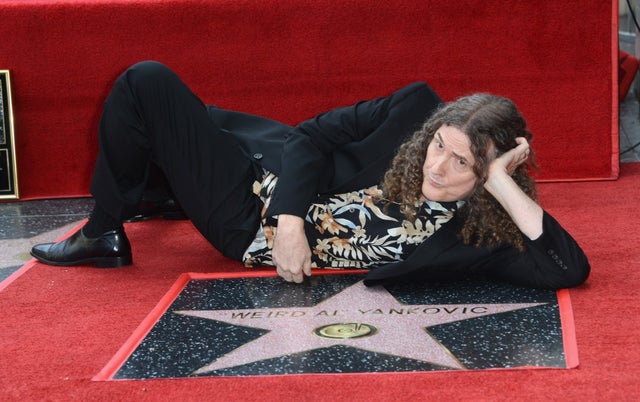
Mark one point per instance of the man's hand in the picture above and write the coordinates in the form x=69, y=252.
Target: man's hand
x=525, y=212
x=511, y=159
x=291, y=254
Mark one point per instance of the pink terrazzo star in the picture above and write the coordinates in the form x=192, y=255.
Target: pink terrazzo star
x=373, y=320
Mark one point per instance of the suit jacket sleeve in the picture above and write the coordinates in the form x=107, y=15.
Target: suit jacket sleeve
x=553, y=261
x=308, y=147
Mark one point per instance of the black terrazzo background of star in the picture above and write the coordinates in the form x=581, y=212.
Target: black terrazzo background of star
x=179, y=345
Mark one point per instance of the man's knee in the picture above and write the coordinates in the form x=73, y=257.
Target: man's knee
x=148, y=74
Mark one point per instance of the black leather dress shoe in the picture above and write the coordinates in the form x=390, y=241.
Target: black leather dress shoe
x=168, y=208
x=111, y=250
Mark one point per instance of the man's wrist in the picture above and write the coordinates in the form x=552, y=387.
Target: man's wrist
x=290, y=221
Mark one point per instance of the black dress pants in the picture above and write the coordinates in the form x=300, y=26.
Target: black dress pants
x=151, y=116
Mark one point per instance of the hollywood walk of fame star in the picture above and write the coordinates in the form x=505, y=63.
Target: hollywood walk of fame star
x=364, y=318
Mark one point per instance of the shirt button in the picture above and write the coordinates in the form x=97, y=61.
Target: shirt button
x=257, y=156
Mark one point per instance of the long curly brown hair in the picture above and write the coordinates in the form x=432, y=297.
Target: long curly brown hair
x=487, y=120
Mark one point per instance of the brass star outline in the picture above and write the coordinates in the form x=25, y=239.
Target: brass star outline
x=400, y=329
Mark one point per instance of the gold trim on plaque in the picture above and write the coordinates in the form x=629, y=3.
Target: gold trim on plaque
x=7, y=139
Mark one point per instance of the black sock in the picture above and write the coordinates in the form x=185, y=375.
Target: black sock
x=99, y=223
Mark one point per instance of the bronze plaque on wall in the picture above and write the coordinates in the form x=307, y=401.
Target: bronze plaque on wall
x=8, y=167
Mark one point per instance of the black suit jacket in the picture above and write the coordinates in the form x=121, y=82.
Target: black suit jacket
x=350, y=148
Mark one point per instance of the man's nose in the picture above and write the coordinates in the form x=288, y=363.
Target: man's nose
x=439, y=165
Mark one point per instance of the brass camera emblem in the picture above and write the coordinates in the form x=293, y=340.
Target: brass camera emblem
x=345, y=330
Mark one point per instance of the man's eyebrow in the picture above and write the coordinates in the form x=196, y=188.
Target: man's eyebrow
x=452, y=153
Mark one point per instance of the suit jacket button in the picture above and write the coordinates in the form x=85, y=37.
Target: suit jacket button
x=257, y=156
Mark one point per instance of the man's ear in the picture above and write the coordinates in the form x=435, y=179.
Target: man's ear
x=492, y=152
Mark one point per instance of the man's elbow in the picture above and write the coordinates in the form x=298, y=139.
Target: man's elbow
x=571, y=277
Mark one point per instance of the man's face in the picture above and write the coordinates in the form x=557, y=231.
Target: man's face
x=448, y=166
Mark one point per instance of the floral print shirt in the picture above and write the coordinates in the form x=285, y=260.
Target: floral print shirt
x=351, y=230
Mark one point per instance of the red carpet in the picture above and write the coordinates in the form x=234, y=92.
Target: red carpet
x=291, y=59
x=61, y=326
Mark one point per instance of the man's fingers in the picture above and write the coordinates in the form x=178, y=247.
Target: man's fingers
x=306, y=268
x=289, y=276
x=286, y=275
x=291, y=253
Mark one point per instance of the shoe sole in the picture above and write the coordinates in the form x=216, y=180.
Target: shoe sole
x=167, y=216
x=98, y=262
